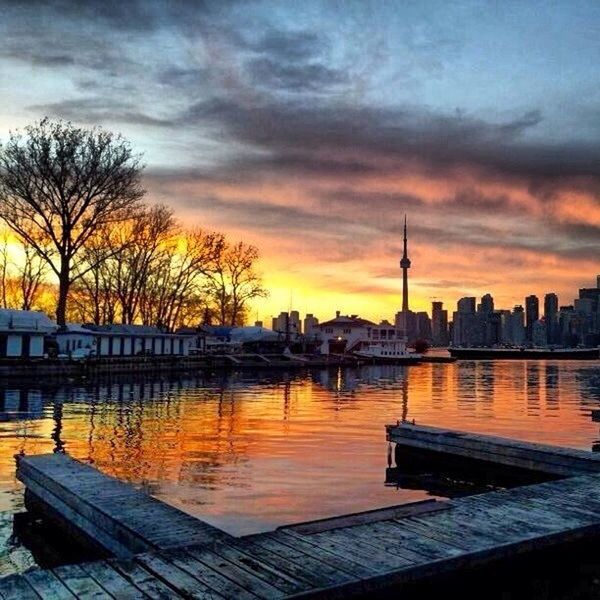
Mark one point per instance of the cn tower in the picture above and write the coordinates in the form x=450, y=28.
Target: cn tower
x=405, y=266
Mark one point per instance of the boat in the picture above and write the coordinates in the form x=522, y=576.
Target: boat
x=525, y=353
x=388, y=351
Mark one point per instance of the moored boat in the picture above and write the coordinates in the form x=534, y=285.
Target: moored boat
x=392, y=351
x=525, y=353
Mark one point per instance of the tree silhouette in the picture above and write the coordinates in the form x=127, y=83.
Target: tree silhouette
x=59, y=184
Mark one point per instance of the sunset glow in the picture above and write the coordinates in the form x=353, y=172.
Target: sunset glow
x=310, y=133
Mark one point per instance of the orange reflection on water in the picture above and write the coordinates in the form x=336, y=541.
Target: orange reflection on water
x=249, y=452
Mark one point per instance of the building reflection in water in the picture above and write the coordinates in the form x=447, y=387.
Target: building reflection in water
x=279, y=447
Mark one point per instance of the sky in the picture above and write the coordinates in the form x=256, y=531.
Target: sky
x=310, y=129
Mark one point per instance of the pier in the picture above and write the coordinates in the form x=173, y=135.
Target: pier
x=156, y=550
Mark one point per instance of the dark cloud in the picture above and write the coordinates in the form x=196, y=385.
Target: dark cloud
x=94, y=110
x=295, y=78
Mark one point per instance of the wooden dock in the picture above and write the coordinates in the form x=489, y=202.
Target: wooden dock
x=348, y=556
x=541, y=458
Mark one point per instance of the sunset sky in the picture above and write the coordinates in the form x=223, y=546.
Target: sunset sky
x=310, y=129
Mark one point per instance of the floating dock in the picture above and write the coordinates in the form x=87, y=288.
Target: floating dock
x=158, y=552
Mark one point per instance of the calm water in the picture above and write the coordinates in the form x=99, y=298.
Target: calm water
x=249, y=452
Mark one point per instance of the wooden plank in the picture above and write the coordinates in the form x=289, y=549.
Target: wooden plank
x=413, y=546
x=254, y=575
x=343, y=563
x=16, y=587
x=47, y=585
x=369, y=516
x=179, y=580
x=112, y=581
x=123, y=520
x=212, y=578
x=80, y=583
x=144, y=580
x=336, y=541
x=293, y=562
x=532, y=456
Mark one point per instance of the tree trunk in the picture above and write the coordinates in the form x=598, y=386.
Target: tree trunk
x=64, y=281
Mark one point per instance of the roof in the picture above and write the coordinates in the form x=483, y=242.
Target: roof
x=25, y=320
x=116, y=329
x=348, y=321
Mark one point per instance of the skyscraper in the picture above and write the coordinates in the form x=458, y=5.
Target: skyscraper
x=551, y=317
x=439, y=324
x=405, y=265
x=487, y=304
x=532, y=314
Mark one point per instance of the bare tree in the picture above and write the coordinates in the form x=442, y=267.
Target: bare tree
x=31, y=277
x=60, y=183
x=233, y=281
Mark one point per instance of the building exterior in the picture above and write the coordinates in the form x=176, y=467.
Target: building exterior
x=439, y=324
x=513, y=326
x=121, y=340
x=423, y=326
x=295, y=322
x=22, y=333
x=486, y=306
x=532, y=314
x=311, y=325
x=539, y=336
x=343, y=333
x=346, y=334
x=466, y=329
x=551, y=318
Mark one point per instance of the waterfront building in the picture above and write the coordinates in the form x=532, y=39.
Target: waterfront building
x=466, y=324
x=466, y=305
x=22, y=333
x=311, y=325
x=439, y=324
x=532, y=314
x=539, y=336
x=486, y=306
x=551, y=317
x=295, y=323
x=121, y=340
x=592, y=294
x=513, y=326
x=288, y=323
x=343, y=333
x=423, y=326
x=347, y=333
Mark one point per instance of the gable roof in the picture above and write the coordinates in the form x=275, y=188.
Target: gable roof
x=25, y=320
x=348, y=322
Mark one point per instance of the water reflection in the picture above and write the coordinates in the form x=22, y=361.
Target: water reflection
x=250, y=451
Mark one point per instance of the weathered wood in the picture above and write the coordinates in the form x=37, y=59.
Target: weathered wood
x=179, y=580
x=144, y=580
x=112, y=514
x=368, y=516
x=331, y=558
x=112, y=581
x=15, y=587
x=80, y=583
x=551, y=460
x=47, y=585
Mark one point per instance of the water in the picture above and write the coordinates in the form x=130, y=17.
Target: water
x=248, y=452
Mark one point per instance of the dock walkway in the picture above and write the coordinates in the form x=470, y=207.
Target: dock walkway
x=342, y=557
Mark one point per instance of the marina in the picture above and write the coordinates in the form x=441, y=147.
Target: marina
x=346, y=556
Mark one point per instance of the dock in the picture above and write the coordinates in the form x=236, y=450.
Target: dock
x=341, y=557
x=540, y=458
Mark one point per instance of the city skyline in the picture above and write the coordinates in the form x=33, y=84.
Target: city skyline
x=311, y=131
